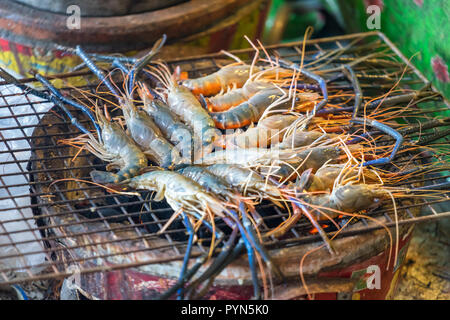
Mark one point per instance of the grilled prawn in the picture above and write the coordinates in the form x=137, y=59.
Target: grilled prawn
x=310, y=158
x=324, y=179
x=348, y=198
x=228, y=76
x=246, y=180
x=147, y=135
x=232, y=98
x=180, y=192
x=267, y=132
x=301, y=138
x=251, y=110
x=170, y=125
x=184, y=104
x=116, y=147
x=208, y=180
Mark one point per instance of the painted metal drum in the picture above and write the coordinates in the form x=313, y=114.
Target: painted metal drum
x=33, y=39
x=100, y=8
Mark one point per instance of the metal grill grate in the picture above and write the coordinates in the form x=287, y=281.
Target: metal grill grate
x=46, y=228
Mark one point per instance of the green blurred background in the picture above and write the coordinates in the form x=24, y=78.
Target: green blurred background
x=415, y=26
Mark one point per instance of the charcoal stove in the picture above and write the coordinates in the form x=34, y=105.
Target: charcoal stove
x=111, y=245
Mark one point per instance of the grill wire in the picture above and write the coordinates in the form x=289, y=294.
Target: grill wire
x=54, y=225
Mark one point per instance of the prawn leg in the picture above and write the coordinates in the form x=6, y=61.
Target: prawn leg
x=235, y=252
x=96, y=70
x=142, y=62
x=303, y=86
x=188, y=274
x=187, y=255
x=251, y=258
x=27, y=89
x=386, y=129
x=437, y=135
x=348, y=71
x=256, y=244
x=70, y=102
x=313, y=76
x=316, y=225
x=386, y=102
x=218, y=262
x=401, y=98
x=409, y=130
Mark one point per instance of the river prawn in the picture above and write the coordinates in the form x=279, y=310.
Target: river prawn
x=114, y=146
x=208, y=180
x=228, y=76
x=328, y=175
x=148, y=136
x=349, y=198
x=251, y=110
x=261, y=80
x=168, y=122
x=180, y=192
x=265, y=102
x=325, y=177
x=301, y=138
x=184, y=104
x=246, y=156
x=313, y=158
x=267, y=132
x=343, y=199
x=247, y=181
x=224, y=101
x=223, y=188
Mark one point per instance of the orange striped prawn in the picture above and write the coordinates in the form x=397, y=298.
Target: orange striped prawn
x=267, y=132
x=236, y=96
x=229, y=76
x=251, y=110
x=258, y=81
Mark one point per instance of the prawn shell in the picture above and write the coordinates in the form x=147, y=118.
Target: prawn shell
x=147, y=134
x=207, y=180
x=248, y=111
x=171, y=127
x=183, y=103
x=277, y=121
x=121, y=150
x=268, y=132
x=245, y=179
x=228, y=76
x=256, y=138
x=354, y=197
x=178, y=190
x=236, y=96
